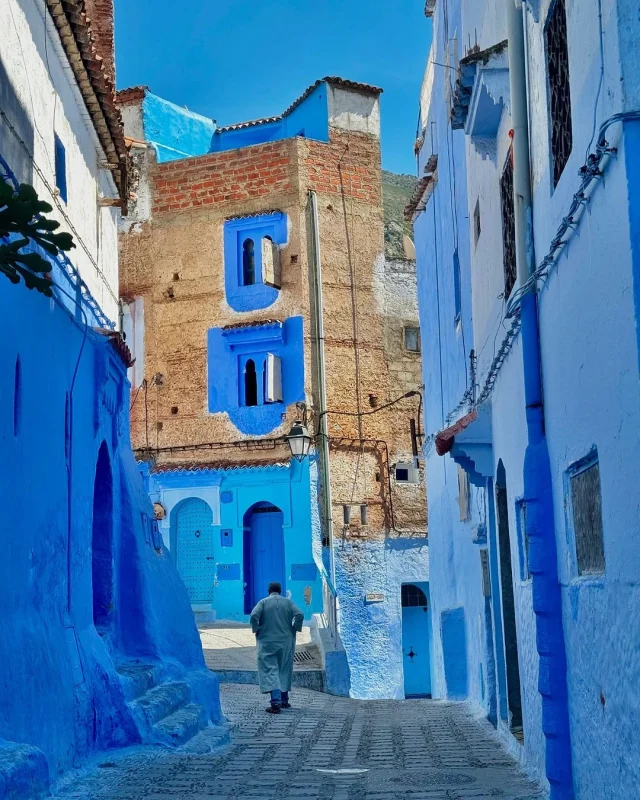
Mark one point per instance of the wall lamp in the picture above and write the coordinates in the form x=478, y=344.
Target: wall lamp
x=299, y=440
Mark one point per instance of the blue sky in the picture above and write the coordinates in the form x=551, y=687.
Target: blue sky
x=241, y=59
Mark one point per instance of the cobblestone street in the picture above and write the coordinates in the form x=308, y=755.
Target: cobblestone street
x=327, y=748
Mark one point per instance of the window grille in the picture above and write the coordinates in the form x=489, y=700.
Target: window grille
x=508, y=226
x=559, y=88
x=412, y=339
x=586, y=505
x=413, y=596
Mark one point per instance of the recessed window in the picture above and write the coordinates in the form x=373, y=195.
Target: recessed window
x=559, y=89
x=457, y=292
x=586, y=509
x=413, y=596
x=508, y=226
x=248, y=263
x=17, y=397
x=523, y=540
x=477, y=229
x=60, y=157
x=250, y=383
x=412, y=339
x=405, y=472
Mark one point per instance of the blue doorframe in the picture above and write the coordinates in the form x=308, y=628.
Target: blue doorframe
x=416, y=640
x=264, y=557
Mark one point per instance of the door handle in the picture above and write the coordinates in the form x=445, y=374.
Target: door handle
x=211, y=558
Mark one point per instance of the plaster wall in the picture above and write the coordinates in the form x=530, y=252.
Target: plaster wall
x=39, y=97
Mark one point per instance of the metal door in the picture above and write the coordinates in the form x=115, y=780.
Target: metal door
x=194, y=545
x=415, y=642
x=267, y=551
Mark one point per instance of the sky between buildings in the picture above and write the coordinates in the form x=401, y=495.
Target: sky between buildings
x=235, y=60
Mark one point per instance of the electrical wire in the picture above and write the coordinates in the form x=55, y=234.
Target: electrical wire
x=600, y=81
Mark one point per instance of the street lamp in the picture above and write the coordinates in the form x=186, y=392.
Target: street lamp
x=299, y=440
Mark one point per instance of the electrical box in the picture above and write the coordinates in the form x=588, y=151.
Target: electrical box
x=226, y=537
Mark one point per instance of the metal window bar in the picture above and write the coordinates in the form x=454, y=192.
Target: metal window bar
x=508, y=226
x=559, y=88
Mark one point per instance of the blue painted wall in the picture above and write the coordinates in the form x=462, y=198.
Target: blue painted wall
x=231, y=493
x=60, y=691
x=310, y=119
x=236, y=231
x=173, y=131
x=227, y=351
x=372, y=632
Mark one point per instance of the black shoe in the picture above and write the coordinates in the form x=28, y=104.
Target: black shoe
x=272, y=709
x=286, y=705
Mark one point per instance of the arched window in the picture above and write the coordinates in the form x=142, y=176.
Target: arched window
x=250, y=384
x=413, y=596
x=248, y=263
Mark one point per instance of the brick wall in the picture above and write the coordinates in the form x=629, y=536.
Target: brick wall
x=100, y=15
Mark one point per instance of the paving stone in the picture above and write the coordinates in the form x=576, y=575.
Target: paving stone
x=326, y=748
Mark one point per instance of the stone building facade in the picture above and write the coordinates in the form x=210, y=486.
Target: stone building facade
x=239, y=239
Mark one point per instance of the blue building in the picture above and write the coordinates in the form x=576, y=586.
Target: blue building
x=526, y=146
x=97, y=641
x=243, y=243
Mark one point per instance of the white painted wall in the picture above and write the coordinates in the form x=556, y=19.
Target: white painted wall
x=38, y=95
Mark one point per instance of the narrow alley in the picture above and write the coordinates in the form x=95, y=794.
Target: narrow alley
x=329, y=748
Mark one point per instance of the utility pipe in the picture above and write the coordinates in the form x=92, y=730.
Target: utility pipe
x=322, y=384
x=543, y=560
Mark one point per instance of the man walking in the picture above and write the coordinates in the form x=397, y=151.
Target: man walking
x=275, y=622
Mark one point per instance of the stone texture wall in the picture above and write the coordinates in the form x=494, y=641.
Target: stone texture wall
x=174, y=260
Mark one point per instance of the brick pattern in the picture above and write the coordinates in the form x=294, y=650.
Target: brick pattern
x=325, y=748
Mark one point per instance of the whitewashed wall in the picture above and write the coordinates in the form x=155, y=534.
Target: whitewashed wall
x=38, y=95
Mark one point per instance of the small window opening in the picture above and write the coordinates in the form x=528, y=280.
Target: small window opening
x=17, y=398
x=346, y=514
x=559, y=88
x=248, y=263
x=413, y=597
x=250, y=384
x=508, y=226
x=477, y=228
x=412, y=339
x=364, y=514
x=456, y=286
x=405, y=472
x=174, y=410
x=60, y=158
x=586, y=502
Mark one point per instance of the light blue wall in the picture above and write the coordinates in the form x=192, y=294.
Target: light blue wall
x=310, y=119
x=226, y=350
x=60, y=690
x=173, y=131
x=231, y=493
x=372, y=632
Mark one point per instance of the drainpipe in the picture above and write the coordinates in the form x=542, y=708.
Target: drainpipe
x=543, y=560
x=322, y=385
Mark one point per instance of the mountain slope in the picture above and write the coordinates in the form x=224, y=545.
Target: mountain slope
x=396, y=191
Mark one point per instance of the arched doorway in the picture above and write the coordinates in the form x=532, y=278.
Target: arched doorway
x=416, y=636
x=194, y=548
x=263, y=552
x=102, y=543
x=507, y=597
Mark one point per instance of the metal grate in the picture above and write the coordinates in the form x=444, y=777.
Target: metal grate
x=508, y=225
x=559, y=88
x=302, y=657
x=413, y=596
x=587, y=520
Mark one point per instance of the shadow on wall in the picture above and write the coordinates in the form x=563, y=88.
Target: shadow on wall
x=11, y=150
x=454, y=646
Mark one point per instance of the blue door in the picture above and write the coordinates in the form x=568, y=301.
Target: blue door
x=266, y=541
x=194, y=549
x=415, y=642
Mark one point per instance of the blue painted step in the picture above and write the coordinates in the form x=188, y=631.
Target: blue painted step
x=182, y=725
x=137, y=678
x=159, y=702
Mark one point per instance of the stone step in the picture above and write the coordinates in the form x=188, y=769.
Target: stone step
x=177, y=728
x=160, y=702
x=23, y=772
x=209, y=739
x=303, y=679
x=137, y=678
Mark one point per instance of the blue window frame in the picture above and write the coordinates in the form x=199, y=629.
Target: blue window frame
x=523, y=539
x=60, y=155
x=247, y=242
